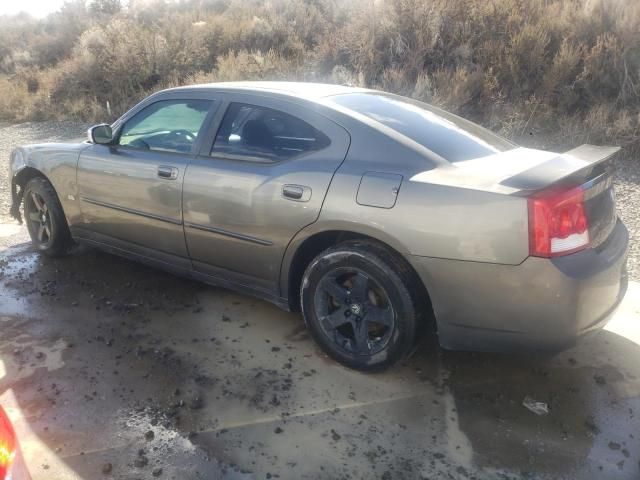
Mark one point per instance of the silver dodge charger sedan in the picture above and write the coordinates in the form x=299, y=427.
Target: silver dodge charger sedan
x=380, y=217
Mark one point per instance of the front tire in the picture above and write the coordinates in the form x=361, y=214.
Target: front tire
x=45, y=218
x=361, y=305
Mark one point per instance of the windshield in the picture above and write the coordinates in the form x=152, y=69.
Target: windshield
x=453, y=138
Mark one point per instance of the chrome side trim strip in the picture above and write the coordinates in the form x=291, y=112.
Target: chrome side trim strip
x=227, y=233
x=132, y=211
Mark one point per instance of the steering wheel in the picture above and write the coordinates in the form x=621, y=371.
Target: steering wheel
x=139, y=143
x=183, y=133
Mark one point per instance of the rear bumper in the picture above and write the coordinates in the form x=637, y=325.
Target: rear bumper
x=540, y=304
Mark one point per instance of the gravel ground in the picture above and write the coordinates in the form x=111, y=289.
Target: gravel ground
x=628, y=202
x=627, y=175
x=12, y=136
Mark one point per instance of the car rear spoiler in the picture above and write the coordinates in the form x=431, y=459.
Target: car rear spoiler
x=580, y=160
x=519, y=171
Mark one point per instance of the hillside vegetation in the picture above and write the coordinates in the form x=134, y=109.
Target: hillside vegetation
x=543, y=72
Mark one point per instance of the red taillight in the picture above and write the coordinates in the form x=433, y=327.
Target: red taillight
x=558, y=223
x=7, y=445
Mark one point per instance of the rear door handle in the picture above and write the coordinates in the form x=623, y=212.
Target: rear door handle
x=165, y=171
x=299, y=193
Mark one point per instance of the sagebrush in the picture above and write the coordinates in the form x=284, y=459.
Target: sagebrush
x=543, y=72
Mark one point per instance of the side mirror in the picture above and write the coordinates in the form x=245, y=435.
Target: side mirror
x=100, y=134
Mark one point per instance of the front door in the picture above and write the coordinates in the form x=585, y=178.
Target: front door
x=131, y=191
x=263, y=180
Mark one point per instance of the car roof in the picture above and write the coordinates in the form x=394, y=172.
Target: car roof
x=304, y=90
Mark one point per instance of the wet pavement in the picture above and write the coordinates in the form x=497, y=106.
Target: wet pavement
x=110, y=369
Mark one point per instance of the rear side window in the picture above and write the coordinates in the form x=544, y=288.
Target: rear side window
x=453, y=138
x=250, y=132
x=167, y=125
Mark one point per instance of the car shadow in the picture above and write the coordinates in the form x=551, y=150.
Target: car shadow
x=588, y=431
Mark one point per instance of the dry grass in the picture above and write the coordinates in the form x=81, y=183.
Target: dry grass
x=543, y=72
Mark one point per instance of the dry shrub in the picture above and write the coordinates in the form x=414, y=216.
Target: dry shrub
x=559, y=79
x=397, y=80
x=245, y=65
x=423, y=90
x=601, y=77
x=543, y=72
x=343, y=76
x=458, y=90
x=13, y=99
x=526, y=58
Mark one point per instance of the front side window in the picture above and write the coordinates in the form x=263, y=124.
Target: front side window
x=250, y=132
x=168, y=125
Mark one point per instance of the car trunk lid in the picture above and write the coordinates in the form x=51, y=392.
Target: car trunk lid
x=526, y=172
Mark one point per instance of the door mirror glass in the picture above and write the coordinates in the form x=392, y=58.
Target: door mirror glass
x=100, y=134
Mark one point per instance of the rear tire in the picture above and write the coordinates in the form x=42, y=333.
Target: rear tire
x=45, y=218
x=361, y=305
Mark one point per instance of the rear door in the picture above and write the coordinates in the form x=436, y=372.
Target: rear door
x=263, y=177
x=131, y=191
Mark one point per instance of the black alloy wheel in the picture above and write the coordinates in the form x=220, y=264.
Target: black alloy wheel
x=39, y=219
x=354, y=311
x=362, y=304
x=46, y=222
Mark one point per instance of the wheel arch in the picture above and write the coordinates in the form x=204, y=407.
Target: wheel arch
x=26, y=173
x=306, y=246
x=20, y=179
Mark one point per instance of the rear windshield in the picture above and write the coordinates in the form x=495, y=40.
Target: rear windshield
x=453, y=138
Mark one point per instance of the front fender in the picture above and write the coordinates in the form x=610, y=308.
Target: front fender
x=57, y=162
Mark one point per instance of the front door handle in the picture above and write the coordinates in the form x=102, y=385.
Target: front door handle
x=170, y=173
x=299, y=193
